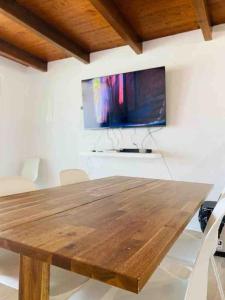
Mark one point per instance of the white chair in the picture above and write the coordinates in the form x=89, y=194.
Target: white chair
x=7, y=293
x=165, y=282
x=15, y=185
x=73, y=176
x=187, y=246
x=30, y=169
x=63, y=283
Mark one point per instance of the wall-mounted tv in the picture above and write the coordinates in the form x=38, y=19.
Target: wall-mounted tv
x=134, y=99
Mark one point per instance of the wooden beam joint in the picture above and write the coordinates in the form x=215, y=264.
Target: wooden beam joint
x=12, y=52
x=203, y=19
x=26, y=18
x=114, y=17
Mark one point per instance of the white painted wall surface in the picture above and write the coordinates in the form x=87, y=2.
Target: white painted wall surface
x=15, y=117
x=193, y=143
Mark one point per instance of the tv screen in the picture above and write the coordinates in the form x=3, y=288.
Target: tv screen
x=133, y=99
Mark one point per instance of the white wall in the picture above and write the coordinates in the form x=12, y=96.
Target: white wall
x=15, y=117
x=40, y=113
x=193, y=143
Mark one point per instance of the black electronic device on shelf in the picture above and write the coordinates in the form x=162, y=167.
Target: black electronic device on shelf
x=124, y=150
x=134, y=150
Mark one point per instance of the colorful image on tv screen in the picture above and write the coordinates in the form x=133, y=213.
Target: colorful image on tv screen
x=131, y=99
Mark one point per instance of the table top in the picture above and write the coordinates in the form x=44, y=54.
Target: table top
x=116, y=230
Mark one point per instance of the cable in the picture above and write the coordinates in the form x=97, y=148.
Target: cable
x=149, y=135
x=121, y=136
x=158, y=129
x=116, y=138
x=97, y=141
x=163, y=157
x=132, y=141
x=110, y=138
x=144, y=139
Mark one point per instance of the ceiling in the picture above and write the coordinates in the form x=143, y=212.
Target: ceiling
x=34, y=32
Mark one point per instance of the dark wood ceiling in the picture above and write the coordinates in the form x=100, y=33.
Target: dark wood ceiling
x=34, y=32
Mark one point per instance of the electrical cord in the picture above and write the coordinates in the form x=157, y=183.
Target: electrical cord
x=99, y=138
x=148, y=135
x=163, y=157
x=132, y=140
x=156, y=130
x=121, y=136
x=145, y=139
x=110, y=138
x=116, y=138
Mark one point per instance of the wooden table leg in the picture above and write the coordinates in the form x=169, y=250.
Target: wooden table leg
x=34, y=279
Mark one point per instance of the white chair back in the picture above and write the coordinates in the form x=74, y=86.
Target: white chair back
x=222, y=194
x=30, y=168
x=73, y=176
x=15, y=185
x=197, y=285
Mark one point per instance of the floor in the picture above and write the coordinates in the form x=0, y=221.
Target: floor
x=213, y=294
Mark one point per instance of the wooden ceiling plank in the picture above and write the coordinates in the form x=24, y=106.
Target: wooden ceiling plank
x=20, y=14
x=113, y=16
x=203, y=19
x=12, y=52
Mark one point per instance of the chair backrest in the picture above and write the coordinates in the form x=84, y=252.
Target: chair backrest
x=73, y=176
x=15, y=185
x=30, y=168
x=222, y=194
x=198, y=281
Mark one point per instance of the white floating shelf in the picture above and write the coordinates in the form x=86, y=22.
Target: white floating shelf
x=115, y=154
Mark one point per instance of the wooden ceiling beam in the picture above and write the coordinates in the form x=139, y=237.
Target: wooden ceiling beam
x=203, y=19
x=20, y=14
x=113, y=16
x=12, y=52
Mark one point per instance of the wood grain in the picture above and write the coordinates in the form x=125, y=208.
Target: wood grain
x=43, y=203
x=90, y=29
x=21, y=37
x=25, y=17
x=155, y=19
x=216, y=9
x=203, y=19
x=116, y=230
x=78, y=20
x=114, y=17
x=34, y=279
x=10, y=51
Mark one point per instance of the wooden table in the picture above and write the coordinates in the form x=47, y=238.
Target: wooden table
x=116, y=230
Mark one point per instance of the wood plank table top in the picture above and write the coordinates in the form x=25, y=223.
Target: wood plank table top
x=116, y=230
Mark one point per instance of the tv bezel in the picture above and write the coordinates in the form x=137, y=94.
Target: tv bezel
x=127, y=126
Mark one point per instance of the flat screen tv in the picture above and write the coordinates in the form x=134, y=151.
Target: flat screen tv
x=134, y=99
